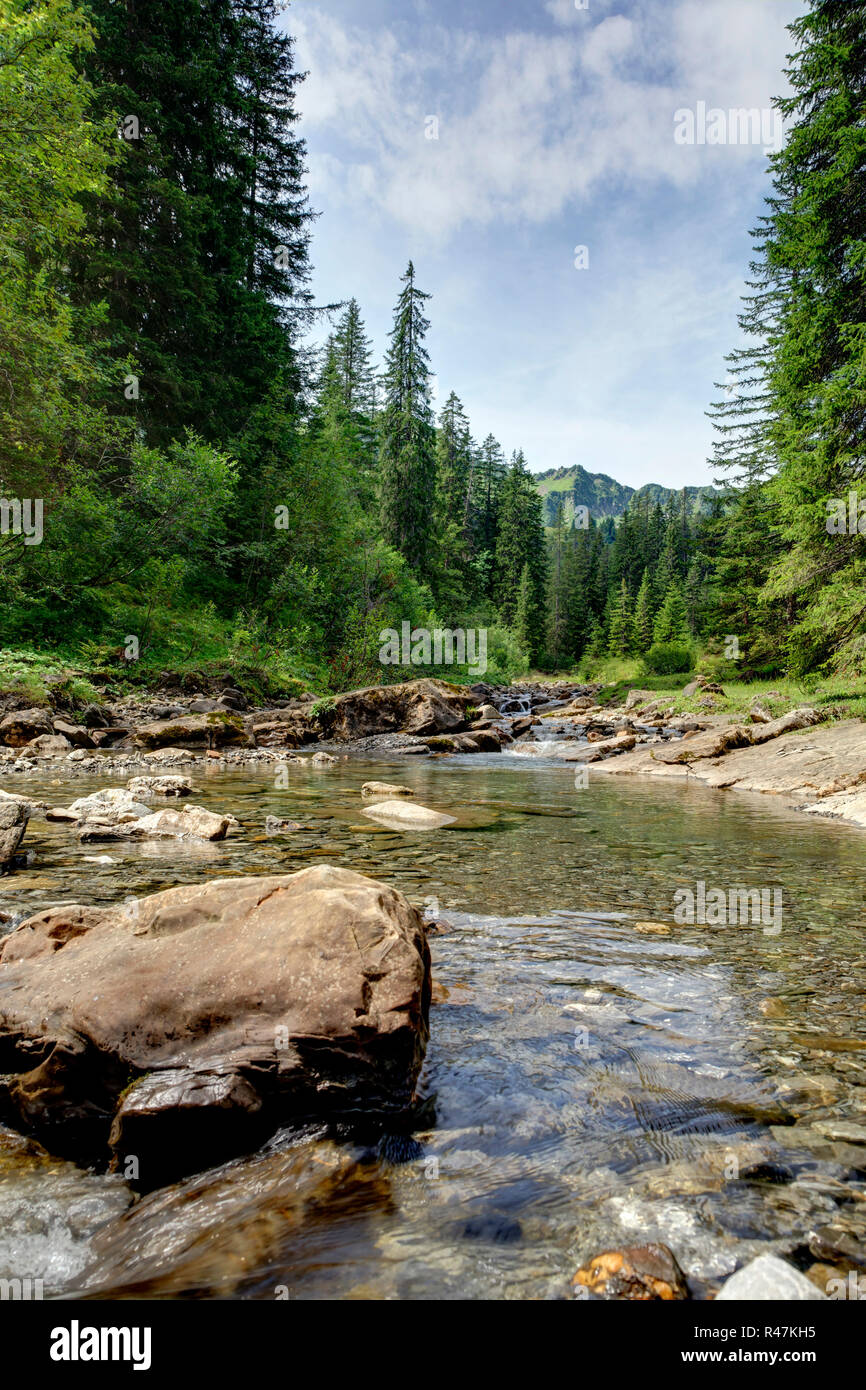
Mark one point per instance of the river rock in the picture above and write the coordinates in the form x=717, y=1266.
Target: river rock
x=159, y=786
x=639, y=697
x=217, y=730
x=218, y=1230
x=191, y=823
x=14, y=816
x=640, y=1273
x=77, y=735
x=276, y=825
x=711, y=744
x=23, y=725
x=233, y=1007
x=605, y=748
x=48, y=746
x=323, y=759
x=385, y=790
x=109, y=806
x=768, y=1279
x=413, y=707
x=404, y=816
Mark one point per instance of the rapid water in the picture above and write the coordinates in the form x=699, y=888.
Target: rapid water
x=597, y=1075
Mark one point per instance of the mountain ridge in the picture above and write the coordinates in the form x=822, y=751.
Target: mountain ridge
x=604, y=496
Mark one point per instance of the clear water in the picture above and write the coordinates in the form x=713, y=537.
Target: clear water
x=590, y=1083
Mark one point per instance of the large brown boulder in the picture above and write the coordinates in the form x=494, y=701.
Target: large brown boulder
x=216, y=730
x=185, y=1027
x=414, y=707
x=22, y=725
x=281, y=729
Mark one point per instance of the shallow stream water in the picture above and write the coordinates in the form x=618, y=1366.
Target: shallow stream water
x=597, y=1075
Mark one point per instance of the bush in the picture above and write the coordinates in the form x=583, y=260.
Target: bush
x=667, y=659
x=718, y=668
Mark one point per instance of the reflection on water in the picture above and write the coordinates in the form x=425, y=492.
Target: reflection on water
x=597, y=1074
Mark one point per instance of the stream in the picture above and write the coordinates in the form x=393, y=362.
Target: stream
x=597, y=1075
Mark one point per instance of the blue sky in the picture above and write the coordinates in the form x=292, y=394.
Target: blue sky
x=555, y=130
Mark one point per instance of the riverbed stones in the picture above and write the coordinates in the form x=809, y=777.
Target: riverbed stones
x=108, y=806
x=277, y=825
x=768, y=1279
x=235, y=1006
x=402, y=815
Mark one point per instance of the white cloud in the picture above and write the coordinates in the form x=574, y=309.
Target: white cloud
x=528, y=122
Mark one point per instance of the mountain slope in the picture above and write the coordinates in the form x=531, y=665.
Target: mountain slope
x=604, y=496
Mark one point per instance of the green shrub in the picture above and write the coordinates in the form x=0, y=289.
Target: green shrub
x=667, y=659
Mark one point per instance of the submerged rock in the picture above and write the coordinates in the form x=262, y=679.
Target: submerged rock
x=217, y=1231
x=641, y=1273
x=403, y=816
x=194, y=1024
x=277, y=825
x=385, y=789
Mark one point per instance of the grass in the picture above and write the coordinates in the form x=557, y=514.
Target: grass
x=841, y=697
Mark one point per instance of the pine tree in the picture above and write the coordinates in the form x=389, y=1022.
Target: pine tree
x=199, y=247
x=408, y=457
x=671, y=623
x=488, y=478
x=51, y=153
x=643, y=616
x=621, y=631
x=797, y=400
x=346, y=406
x=521, y=542
x=525, y=616
x=454, y=461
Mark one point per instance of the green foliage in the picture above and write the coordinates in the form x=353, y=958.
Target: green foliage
x=667, y=659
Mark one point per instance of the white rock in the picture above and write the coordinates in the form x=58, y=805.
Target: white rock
x=769, y=1279
x=402, y=815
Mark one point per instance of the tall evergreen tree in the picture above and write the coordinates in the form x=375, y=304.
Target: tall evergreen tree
x=521, y=542
x=408, y=459
x=199, y=248
x=643, y=615
x=620, y=640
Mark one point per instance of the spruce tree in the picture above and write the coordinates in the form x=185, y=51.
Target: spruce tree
x=671, y=623
x=408, y=448
x=620, y=639
x=199, y=247
x=643, y=616
x=521, y=542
